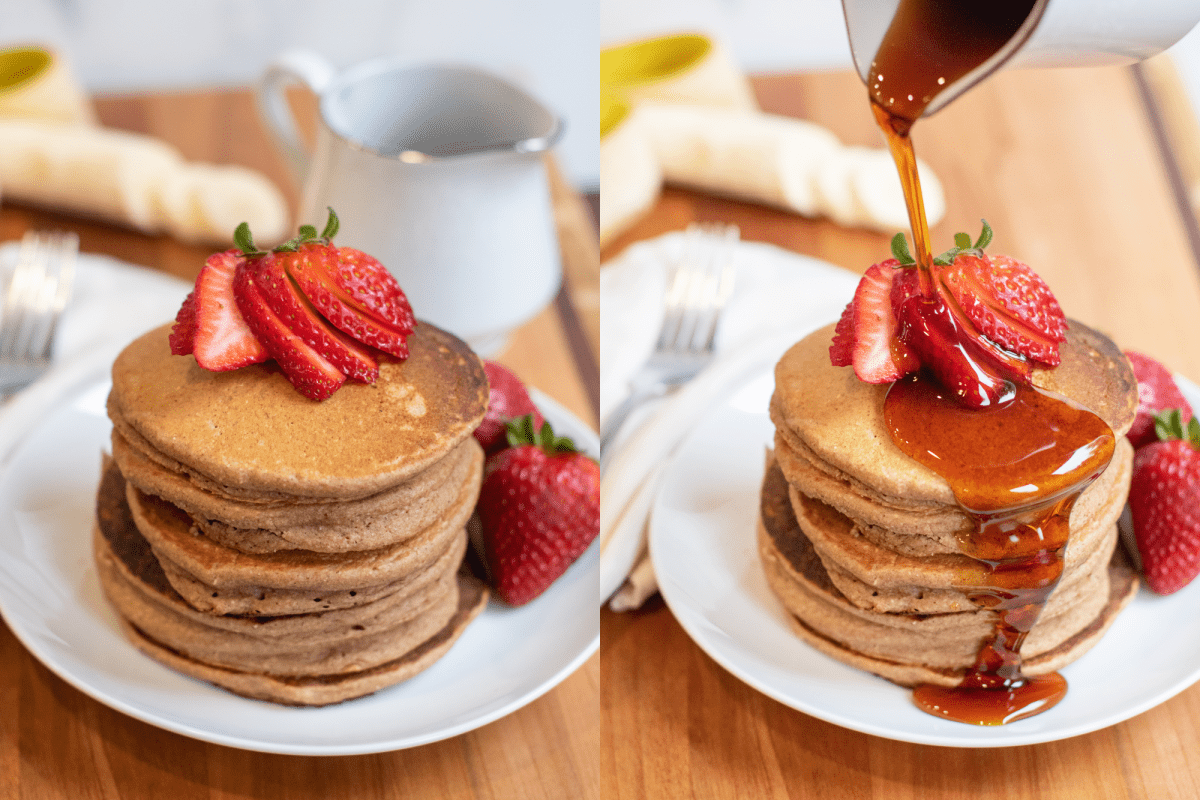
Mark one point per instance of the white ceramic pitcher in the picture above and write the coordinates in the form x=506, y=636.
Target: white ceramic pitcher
x=1057, y=33
x=438, y=172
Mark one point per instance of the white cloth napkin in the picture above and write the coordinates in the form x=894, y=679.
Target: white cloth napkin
x=777, y=292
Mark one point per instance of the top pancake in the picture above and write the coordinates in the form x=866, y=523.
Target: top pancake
x=840, y=419
x=250, y=430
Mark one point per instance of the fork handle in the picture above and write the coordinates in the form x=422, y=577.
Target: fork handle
x=617, y=417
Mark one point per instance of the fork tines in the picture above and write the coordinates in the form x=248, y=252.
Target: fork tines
x=35, y=294
x=699, y=287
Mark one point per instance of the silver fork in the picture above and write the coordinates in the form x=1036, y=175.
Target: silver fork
x=35, y=294
x=699, y=288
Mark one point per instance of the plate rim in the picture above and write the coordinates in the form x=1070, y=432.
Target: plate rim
x=91, y=367
x=689, y=619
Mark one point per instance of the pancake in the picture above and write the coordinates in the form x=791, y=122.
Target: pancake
x=120, y=546
x=308, y=659
x=910, y=649
x=168, y=529
x=839, y=420
x=889, y=579
x=326, y=526
x=322, y=690
x=250, y=435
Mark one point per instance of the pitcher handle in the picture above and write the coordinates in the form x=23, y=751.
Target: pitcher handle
x=293, y=66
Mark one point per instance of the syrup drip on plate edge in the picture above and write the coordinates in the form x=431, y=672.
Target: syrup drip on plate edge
x=1017, y=468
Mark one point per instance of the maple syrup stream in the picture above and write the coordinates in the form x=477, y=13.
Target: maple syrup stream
x=1016, y=468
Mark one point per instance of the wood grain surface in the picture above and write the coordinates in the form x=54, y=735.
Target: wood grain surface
x=1066, y=167
x=56, y=742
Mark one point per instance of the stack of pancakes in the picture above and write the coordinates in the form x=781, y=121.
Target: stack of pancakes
x=861, y=542
x=290, y=550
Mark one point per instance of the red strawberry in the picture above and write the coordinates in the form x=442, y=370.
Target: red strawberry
x=318, y=286
x=978, y=323
x=507, y=399
x=539, y=509
x=311, y=374
x=1164, y=499
x=299, y=316
x=321, y=312
x=1008, y=303
x=222, y=339
x=183, y=334
x=867, y=335
x=369, y=286
x=1157, y=392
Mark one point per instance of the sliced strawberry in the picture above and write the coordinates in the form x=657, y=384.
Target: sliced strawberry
x=371, y=288
x=312, y=375
x=223, y=341
x=1008, y=303
x=183, y=334
x=877, y=353
x=314, y=276
x=299, y=316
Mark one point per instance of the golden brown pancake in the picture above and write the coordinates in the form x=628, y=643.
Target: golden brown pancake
x=325, y=526
x=863, y=545
x=309, y=659
x=839, y=419
x=248, y=434
x=910, y=649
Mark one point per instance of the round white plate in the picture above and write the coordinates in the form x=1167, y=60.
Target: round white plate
x=702, y=541
x=51, y=438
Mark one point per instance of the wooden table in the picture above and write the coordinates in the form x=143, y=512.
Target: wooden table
x=55, y=742
x=1066, y=166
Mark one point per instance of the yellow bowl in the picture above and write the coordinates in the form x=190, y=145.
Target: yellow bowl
x=652, y=60
x=21, y=65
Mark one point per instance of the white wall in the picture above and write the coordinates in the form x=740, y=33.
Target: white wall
x=547, y=46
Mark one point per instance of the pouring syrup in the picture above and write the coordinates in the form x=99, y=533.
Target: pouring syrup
x=1016, y=467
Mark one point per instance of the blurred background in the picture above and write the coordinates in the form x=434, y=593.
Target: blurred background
x=548, y=47
x=802, y=34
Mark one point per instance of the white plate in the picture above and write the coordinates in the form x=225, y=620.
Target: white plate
x=702, y=541
x=51, y=438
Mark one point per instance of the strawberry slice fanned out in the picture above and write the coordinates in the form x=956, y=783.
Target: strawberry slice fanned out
x=367, y=284
x=317, y=282
x=324, y=314
x=311, y=374
x=1008, y=303
x=270, y=274
x=183, y=334
x=222, y=340
x=867, y=335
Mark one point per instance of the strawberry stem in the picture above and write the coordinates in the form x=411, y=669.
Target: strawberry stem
x=1168, y=425
x=307, y=234
x=520, y=431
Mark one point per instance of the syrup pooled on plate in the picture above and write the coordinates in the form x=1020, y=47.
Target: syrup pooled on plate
x=1016, y=466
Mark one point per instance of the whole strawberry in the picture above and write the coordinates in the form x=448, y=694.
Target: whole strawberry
x=507, y=400
x=1164, y=499
x=1157, y=392
x=539, y=509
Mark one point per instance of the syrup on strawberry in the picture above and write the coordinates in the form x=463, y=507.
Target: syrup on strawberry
x=979, y=323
